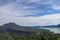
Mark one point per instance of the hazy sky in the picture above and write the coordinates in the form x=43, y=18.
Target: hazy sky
x=30, y=12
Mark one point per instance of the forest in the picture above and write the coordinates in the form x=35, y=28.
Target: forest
x=12, y=31
x=37, y=36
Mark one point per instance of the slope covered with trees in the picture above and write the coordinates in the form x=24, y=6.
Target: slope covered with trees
x=37, y=36
x=12, y=31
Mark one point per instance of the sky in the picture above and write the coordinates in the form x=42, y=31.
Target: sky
x=30, y=12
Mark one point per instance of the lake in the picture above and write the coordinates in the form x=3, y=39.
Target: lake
x=56, y=30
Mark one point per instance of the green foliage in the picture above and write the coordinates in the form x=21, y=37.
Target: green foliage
x=37, y=36
x=58, y=38
x=12, y=31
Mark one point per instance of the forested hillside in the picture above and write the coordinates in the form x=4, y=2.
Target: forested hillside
x=12, y=31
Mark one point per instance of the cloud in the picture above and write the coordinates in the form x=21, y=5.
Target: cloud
x=56, y=7
x=52, y=19
x=29, y=12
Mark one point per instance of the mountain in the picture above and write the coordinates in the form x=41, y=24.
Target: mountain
x=14, y=28
x=51, y=26
x=17, y=27
x=12, y=31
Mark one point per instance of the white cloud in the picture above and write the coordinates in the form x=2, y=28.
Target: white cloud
x=7, y=16
x=56, y=7
x=43, y=20
x=10, y=13
x=35, y=1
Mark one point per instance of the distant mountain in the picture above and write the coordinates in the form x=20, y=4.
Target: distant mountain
x=12, y=31
x=17, y=27
x=52, y=26
x=14, y=28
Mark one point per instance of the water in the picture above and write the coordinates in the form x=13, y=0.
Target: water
x=56, y=30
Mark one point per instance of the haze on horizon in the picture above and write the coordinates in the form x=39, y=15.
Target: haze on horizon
x=30, y=12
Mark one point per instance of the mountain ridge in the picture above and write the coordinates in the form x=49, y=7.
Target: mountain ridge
x=21, y=28
x=48, y=26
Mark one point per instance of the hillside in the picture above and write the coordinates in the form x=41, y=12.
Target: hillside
x=12, y=31
x=51, y=26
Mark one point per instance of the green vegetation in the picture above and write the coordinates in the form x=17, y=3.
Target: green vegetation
x=37, y=36
x=12, y=31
